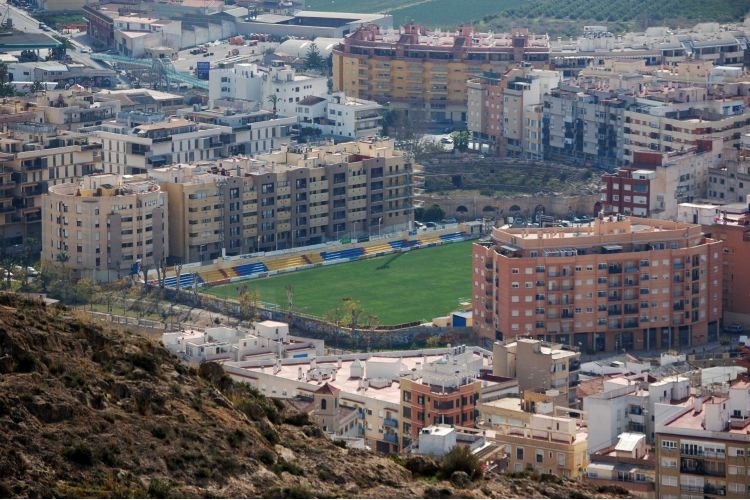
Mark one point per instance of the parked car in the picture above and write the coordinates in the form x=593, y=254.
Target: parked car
x=734, y=328
x=449, y=220
x=85, y=50
x=430, y=225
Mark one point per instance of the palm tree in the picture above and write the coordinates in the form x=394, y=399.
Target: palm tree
x=273, y=99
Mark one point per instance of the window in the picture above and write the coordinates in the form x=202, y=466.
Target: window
x=669, y=445
x=668, y=480
x=539, y=456
x=519, y=453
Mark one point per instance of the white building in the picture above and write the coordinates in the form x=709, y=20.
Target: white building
x=437, y=440
x=278, y=87
x=340, y=116
x=626, y=405
x=267, y=342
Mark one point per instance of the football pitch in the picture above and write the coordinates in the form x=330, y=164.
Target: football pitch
x=397, y=288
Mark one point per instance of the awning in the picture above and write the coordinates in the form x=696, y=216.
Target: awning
x=612, y=248
x=510, y=248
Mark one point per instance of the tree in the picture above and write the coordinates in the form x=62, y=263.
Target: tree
x=461, y=140
x=352, y=313
x=37, y=87
x=433, y=213
x=6, y=88
x=313, y=59
x=273, y=99
x=249, y=301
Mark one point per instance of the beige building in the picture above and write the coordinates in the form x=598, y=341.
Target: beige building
x=105, y=226
x=548, y=444
x=615, y=283
x=34, y=156
x=291, y=197
x=539, y=367
x=176, y=140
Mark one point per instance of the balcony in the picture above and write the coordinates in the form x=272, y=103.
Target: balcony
x=391, y=438
x=390, y=422
x=717, y=490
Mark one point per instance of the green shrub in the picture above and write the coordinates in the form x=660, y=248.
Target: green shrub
x=80, y=454
x=159, y=488
x=460, y=458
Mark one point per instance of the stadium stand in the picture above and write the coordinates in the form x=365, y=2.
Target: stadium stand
x=378, y=248
x=453, y=237
x=348, y=254
x=186, y=280
x=246, y=270
x=286, y=262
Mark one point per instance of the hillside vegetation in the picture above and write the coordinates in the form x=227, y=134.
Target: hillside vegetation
x=549, y=16
x=87, y=412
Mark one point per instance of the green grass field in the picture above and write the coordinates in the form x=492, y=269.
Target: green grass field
x=397, y=288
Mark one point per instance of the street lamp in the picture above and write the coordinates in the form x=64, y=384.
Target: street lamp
x=380, y=221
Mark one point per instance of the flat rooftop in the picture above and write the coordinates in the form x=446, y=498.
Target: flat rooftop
x=391, y=393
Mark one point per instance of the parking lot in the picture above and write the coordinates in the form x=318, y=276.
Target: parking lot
x=221, y=53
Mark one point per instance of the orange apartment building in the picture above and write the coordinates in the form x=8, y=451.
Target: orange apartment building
x=616, y=283
x=415, y=69
x=446, y=393
x=732, y=227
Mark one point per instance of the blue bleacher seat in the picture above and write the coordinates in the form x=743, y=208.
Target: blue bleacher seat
x=186, y=280
x=250, y=269
x=459, y=236
x=349, y=253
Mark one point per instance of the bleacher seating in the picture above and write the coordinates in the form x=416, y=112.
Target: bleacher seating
x=349, y=253
x=186, y=280
x=452, y=237
x=428, y=240
x=314, y=258
x=285, y=262
x=378, y=248
x=250, y=269
x=213, y=276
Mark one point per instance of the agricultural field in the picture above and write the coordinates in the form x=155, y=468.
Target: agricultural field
x=397, y=288
x=547, y=16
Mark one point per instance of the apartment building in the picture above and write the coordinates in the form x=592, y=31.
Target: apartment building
x=425, y=72
x=728, y=223
x=74, y=108
x=616, y=283
x=539, y=367
x=105, y=226
x=336, y=115
x=291, y=197
x=547, y=444
x=484, y=104
x=33, y=157
x=626, y=405
x=584, y=125
x=656, y=183
x=506, y=112
x=702, y=446
x=729, y=182
x=253, y=132
x=277, y=88
x=675, y=126
x=445, y=392
x=177, y=140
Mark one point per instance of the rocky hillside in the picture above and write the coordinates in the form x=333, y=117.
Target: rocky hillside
x=92, y=412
